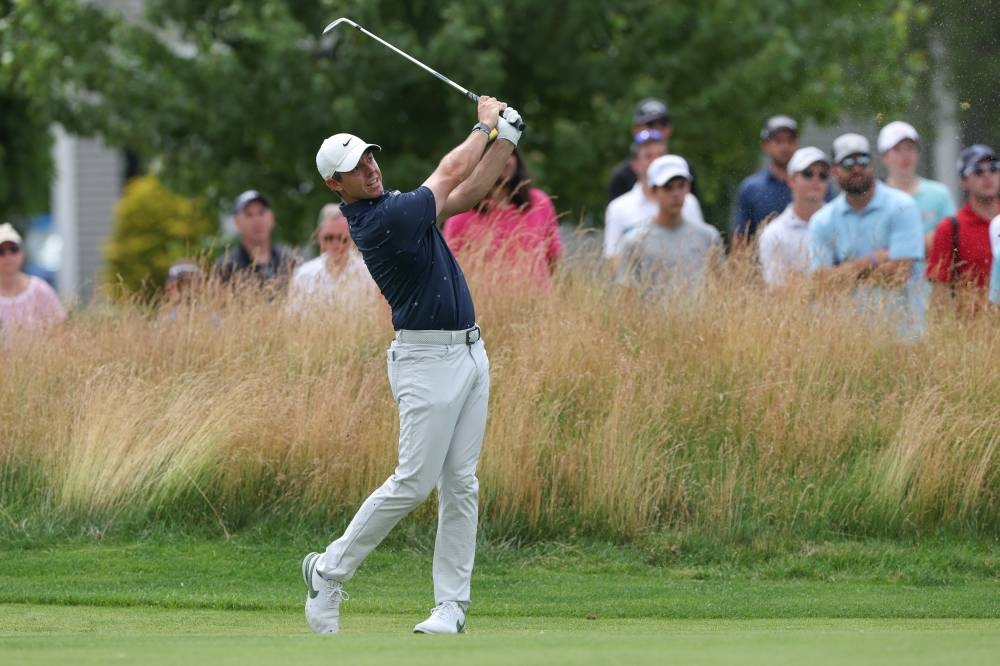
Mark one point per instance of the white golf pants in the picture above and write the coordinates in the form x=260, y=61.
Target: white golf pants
x=442, y=391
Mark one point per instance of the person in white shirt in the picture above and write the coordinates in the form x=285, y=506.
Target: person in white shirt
x=337, y=274
x=639, y=205
x=784, y=244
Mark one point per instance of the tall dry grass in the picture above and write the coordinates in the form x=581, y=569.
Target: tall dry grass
x=733, y=414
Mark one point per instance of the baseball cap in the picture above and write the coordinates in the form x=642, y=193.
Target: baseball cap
x=248, y=198
x=340, y=153
x=667, y=167
x=850, y=144
x=649, y=110
x=803, y=158
x=775, y=124
x=896, y=131
x=971, y=156
x=185, y=268
x=8, y=234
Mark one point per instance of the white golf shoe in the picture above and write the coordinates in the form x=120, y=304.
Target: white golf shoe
x=322, y=599
x=446, y=618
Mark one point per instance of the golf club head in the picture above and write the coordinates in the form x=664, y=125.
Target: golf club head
x=334, y=24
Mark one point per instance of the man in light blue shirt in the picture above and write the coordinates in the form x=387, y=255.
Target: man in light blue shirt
x=870, y=237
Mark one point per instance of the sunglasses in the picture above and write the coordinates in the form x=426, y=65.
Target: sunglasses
x=9, y=248
x=984, y=167
x=850, y=162
x=648, y=135
x=809, y=174
x=329, y=238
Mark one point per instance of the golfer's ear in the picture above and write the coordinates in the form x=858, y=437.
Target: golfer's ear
x=334, y=185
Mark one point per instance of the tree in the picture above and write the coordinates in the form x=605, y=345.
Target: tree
x=153, y=228
x=231, y=95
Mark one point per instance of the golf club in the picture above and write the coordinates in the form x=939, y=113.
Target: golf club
x=468, y=93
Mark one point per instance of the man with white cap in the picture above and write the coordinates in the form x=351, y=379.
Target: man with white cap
x=438, y=369
x=668, y=252
x=784, y=242
x=899, y=145
x=870, y=239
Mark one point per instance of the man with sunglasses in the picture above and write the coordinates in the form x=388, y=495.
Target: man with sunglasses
x=636, y=207
x=870, y=239
x=784, y=242
x=961, y=256
x=766, y=192
x=26, y=302
x=338, y=273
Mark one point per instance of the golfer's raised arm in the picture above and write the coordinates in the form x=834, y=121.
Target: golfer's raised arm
x=472, y=190
x=459, y=163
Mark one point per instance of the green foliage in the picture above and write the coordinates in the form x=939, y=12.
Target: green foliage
x=25, y=158
x=153, y=228
x=232, y=95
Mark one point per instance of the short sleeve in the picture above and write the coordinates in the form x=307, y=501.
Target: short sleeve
x=939, y=261
x=411, y=214
x=821, y=250
x=612, y=231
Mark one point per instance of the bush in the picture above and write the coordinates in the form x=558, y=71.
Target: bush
x=153, y=228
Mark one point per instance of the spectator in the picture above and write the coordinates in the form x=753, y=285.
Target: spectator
x=995, y=271
x=639, y=204
x=27, y=303
x=184, y=277
x=256, y=256
x=669, y=251
x=961, y=254
x=514, y=228
x=766, y=191
x=899, y=146
x=338, y=273
x=784, y=242
x=870, y=239
x=650, y=114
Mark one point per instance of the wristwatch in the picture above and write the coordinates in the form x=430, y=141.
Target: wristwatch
x=484, y=128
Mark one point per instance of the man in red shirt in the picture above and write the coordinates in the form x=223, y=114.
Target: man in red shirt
x=960, y=256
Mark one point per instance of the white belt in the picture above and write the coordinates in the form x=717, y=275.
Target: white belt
x=469, y=336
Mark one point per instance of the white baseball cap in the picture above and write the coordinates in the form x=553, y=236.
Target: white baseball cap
x=667, y=167
x=340, y=153
x=8, y=234
x=893, y=133
x=803, y=158
x=850, y=144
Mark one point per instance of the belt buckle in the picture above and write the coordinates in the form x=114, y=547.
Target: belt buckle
x=472, y=335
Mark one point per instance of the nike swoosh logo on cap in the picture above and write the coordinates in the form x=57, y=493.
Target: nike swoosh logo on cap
x=348, y=141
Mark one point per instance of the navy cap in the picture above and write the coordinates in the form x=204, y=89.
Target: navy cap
x=650, y=110
x=971, y=156
x=248, y=198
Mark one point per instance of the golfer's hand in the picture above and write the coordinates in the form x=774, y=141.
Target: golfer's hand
x=507, y=126
x=489, y=110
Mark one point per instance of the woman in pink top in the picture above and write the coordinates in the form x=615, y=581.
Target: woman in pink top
x=26, y=302
x=513, y=233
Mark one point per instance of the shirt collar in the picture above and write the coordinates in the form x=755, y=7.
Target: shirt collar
x=360, y=206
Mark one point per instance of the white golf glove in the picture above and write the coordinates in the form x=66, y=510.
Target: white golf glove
x=507, y=125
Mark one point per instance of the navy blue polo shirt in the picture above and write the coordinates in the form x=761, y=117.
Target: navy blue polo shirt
x=759, y=195
x=410, y=261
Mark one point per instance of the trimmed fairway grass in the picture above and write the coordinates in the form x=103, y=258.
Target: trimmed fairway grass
x=58, y=634
x=192, y=602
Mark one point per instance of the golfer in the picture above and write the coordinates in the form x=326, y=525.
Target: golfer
x=438, y=370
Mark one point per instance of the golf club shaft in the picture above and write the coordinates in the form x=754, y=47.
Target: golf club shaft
x=468, y=93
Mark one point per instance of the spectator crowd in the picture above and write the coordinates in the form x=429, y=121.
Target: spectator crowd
x=808, y=217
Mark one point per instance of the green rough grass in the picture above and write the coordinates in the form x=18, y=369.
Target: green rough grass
x=171, y=599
